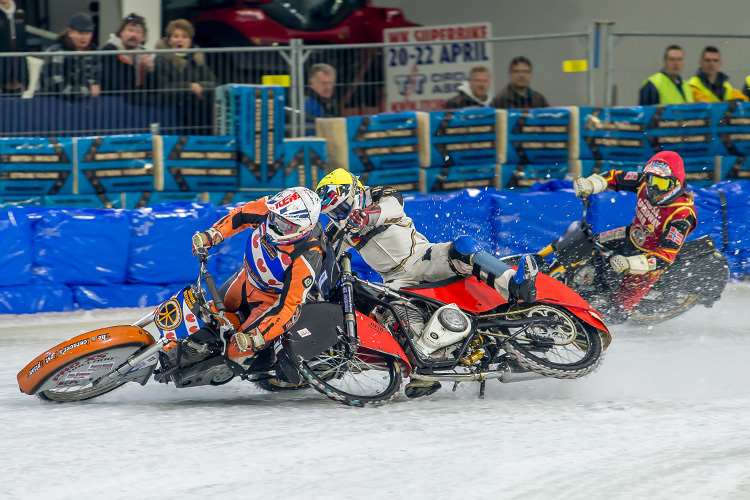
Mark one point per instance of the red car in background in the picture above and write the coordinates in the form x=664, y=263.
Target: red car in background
x=242, y=23
x=233, y=23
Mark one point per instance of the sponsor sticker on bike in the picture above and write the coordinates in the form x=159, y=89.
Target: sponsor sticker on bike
x=304, y=332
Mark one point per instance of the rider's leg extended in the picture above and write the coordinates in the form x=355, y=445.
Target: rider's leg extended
x=467, y=257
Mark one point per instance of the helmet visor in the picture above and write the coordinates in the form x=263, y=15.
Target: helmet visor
x=280, y=225
x=334, y=201
x=663, y=184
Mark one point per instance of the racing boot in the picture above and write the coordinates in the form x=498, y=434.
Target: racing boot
x=418, y=388
x=523, y=284
x=466, y=256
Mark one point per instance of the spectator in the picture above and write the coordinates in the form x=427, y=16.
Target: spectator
x=518, y=94
x=14, y=74
x=186, y=75
x=129, y=74
x=74, y=77
x=667, y=86
x=747, y=86
x=473, y=92
x=711, y=85
x=319, y=102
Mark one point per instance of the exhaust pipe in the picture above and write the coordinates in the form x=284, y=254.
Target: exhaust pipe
x=505, y=374
x=516, y=374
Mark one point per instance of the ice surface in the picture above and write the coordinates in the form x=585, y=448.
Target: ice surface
x=667, y=415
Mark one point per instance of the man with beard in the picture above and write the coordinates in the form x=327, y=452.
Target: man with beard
x=129, y=74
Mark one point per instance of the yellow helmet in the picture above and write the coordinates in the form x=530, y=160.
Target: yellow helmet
x=340, y=192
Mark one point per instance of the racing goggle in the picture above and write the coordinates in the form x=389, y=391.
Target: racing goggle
x=334, y=195
x=663, y=184
x=280, y=225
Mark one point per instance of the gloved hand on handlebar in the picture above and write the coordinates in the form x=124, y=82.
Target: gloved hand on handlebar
x=362, y=218
x=635, y=264
x=251, y=340
x=206, y=239
x=592, y=184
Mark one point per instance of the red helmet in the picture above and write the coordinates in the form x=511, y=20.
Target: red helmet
x=664, y=175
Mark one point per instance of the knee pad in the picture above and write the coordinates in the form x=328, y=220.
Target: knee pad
x=463, y=248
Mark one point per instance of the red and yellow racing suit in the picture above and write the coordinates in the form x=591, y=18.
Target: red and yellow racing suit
x=275, y=280
x=658, y=232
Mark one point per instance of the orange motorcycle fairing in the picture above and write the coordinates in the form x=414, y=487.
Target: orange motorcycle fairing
x=46, y=365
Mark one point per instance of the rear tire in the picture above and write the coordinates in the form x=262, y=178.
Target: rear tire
x=568, y=350
x=369, y=378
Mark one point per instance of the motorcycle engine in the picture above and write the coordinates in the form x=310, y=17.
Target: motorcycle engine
x=584, y=275
x=447, y=326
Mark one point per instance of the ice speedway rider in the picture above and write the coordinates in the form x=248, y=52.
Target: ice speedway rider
x=283, y=257
x=664, y=216
x=376, y=225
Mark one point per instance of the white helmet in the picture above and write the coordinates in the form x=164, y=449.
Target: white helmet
x=292, y=214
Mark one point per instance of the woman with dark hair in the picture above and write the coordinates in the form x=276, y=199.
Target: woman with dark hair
x=186, y=76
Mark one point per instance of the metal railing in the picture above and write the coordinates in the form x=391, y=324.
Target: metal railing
x=627, y=67
x=99, y=92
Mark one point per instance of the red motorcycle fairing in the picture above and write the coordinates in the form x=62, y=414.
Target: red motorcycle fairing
x=471, y=295
x=376, y=337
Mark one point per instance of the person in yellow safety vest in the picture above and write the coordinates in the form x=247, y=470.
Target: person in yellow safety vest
x=747, y=86
x=667, y=86
x=710, y=84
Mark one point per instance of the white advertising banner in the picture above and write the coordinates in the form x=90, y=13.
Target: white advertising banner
x=422, y=77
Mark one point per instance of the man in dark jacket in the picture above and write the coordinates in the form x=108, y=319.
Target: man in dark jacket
x=74, y=77
x=473, y=92
x=518, y=94
x=14, y=75
x=129, y=75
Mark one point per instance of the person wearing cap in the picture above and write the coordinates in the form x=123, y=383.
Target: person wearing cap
x=664, y=216
x=129, y=74
x=73, y=76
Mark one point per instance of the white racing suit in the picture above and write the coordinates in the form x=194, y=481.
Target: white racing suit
x=404, y=257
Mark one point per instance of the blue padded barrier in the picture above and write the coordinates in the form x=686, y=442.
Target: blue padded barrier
x=382, y=142
x=258, y=123
x=405, y=180
x=97, y=296
x=110, y=200
x=541, y=135
x=685, y=128
x=36, y=167
x=732, y=128
x=15, y=240
x=199, y=163
x=462, y=137
x=529, y=222
x=733, y=168
x=446, y=217
x=160, y=242
x=151, y=198
x=444, y=179
x=81, y=247
x=520, y=178
x=116, y=164
x=304, y=162
x=27, y=299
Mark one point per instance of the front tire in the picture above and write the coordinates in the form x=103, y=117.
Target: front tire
x=368, y=378
x=566, y=350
